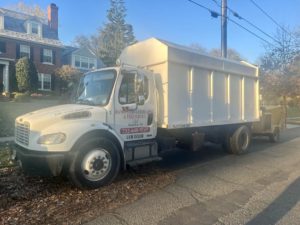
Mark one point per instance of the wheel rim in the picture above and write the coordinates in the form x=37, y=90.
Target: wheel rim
x=96, y=164
x=243, y=140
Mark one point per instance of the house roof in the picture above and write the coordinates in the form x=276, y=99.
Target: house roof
x=14, y=27
x=68, y=50
x=22, y=16
x=83, y=51
x=79, y=50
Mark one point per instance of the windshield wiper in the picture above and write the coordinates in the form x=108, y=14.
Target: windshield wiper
x=85, y=102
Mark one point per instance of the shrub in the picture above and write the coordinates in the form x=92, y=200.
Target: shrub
x=26, y=74
x=67, y=79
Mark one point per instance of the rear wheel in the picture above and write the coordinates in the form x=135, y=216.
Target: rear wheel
x=96, y=162
x=238, y=142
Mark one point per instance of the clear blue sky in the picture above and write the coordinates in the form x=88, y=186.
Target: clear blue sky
x=175, y=20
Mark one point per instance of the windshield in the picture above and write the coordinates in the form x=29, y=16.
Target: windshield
x=95, y=88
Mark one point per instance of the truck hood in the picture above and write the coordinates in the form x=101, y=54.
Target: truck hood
x=49, y=116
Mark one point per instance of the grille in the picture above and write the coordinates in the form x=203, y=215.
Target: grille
x=22, y=133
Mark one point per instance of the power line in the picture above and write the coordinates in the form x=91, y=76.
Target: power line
x=212, y=13
x=251, y=32
x=216, y=14
x=235, y=14
x=270, y=17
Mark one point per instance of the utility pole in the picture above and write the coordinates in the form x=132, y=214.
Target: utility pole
x=224, y=29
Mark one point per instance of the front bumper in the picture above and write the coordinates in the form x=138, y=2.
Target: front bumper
x=36, y=163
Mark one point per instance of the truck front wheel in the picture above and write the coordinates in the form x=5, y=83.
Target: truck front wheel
x=96, y=162
x=239, y=141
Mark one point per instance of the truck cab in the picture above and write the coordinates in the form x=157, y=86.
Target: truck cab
x=111, y=123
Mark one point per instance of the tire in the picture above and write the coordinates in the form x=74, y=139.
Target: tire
x=275, y=136
x=96, y=163
x=239, y=141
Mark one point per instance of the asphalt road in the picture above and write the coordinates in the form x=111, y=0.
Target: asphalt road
x=259, y=187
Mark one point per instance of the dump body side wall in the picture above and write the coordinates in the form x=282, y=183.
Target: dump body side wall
x=197, y=90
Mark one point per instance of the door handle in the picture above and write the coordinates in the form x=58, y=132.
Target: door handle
x=150, y=118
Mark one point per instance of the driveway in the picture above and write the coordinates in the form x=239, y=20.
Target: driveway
x=259, y=187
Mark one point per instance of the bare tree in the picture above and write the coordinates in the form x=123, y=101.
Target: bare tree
x=231, y=54
x=279, y=57
x=33, y=10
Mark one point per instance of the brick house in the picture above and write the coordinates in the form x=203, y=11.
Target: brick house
x=35, y=37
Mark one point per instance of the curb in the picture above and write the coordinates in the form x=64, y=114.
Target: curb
x=6, y=139
x=293, y=122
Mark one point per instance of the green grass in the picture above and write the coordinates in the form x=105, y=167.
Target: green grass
x=9, y=111
x=293, y=111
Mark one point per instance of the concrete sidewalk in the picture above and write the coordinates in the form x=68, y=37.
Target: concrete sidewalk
x=260, y=187
x=6, y=139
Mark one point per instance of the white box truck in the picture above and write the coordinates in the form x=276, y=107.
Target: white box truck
x=160, y=96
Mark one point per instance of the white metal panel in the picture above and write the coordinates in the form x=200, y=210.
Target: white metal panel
x=201, y=96
x=219, y=97
x=161, y=80
x=196, y=89
x=145, y=53
x=235, y=98
x=250, y=99
x=178, y=100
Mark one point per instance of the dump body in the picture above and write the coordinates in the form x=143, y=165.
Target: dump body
x=196, y=89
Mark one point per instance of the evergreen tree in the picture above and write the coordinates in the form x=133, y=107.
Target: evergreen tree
x=13, y=85
x=116, y=33
x=26, y=74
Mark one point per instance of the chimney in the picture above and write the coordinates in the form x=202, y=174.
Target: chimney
x=53, y=17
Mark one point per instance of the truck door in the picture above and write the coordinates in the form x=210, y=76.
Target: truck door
x=135, y=108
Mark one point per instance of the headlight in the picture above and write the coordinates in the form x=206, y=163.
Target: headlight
x=52, y=139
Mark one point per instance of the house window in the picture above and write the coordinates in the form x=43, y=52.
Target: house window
x=92, y=63
x=24, y=51
x=47, y=56
x=34, y=28
x=44, y=82
x=77, y=61
x=2, y=47
x=82, y=62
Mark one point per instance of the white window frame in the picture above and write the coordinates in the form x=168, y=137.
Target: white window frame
x=1, y=22
x=42, y=79
x=25, y=49
x=88, y=61
x=84, y=59
x=47, y=53
x=33, y=26
x=39, y=28
x=94, y=61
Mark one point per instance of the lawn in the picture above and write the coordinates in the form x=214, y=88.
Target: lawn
x=9, y=111
x=293, y=111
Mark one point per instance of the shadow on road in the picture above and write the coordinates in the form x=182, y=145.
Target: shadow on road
x=180, y=159
x=280, y=206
